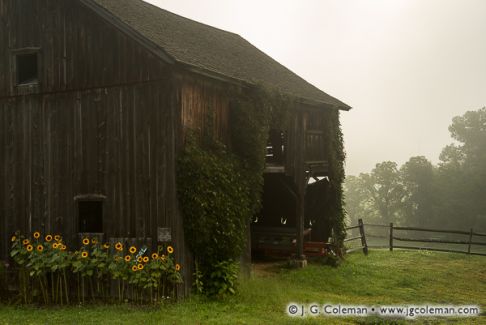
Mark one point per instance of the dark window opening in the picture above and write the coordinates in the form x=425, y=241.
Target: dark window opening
x=27, y=68
x=276, y=147
x=90, y=216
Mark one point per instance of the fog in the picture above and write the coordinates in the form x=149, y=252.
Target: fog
x=405, y=66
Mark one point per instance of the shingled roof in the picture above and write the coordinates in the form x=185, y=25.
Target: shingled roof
x=210, y=49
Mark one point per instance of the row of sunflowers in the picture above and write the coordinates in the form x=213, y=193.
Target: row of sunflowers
x=50, y=273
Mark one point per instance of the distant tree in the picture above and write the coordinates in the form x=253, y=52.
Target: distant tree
x=462, y=172
x=384, y=187
x=358, y=202
x=418, y=179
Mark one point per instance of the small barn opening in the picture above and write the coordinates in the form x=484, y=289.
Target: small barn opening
x=27, y=68
x=273, y=231
x=90, y=216
x=276, y=148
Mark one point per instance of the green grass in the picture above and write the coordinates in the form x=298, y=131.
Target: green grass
x=382, y=278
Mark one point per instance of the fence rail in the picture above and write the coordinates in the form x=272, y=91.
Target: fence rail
x=394, y=240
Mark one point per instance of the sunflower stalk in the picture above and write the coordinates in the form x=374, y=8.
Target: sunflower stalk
x=65, y=286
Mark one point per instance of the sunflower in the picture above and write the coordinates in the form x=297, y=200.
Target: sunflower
x=170, y=249
x=145, y=259
x=40, y=248
x=140, y=259
x=55, y=245
x=128, y=258
x=133, y=249
x=30, y=248
x=63, y=247
x=140, y=266
x=106, y=245
x=94, y=241
x=85, y=241
x=119, y=246
x=57, y=238
x=48, y=238
x=155, y=256
x=14, y=238
x=134, y=268
x=84, y=254
x=25, y=242
x=177, y=267
x=36, y=235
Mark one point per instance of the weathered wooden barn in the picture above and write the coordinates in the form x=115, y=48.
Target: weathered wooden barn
x=95, y=97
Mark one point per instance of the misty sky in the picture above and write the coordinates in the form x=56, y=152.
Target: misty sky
x=405, y=66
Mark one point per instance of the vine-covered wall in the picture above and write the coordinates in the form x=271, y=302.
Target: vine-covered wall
x=220, y=184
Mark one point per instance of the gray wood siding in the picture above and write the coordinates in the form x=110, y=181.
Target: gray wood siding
x=77, y=48
x=104, y=119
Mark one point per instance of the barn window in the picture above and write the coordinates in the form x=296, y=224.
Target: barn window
x=27, y=68
x=90, y=216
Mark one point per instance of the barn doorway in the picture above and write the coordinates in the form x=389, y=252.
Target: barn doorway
x=273, y=230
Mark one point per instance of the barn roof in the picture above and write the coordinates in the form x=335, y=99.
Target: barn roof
x=209, y=49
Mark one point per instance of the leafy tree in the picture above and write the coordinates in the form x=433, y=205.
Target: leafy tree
x=418, y=180
x=358, y=202
x=462, y=172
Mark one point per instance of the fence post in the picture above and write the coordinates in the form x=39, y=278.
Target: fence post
x=391, y=236
x=470, y=241
x=363, y=237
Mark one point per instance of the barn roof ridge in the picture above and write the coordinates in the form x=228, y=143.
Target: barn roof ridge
x=206, y=48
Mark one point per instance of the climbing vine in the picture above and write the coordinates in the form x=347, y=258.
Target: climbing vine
x=215, y=201
x=336, y=157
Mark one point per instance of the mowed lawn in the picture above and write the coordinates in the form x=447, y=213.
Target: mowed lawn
x=381, y=278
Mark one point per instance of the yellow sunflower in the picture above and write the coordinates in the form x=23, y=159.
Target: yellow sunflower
x=155, y=256
x=57, y=238
x=140, y=266
x=48, y=238
x=84, y=254
x=170, y=249
x=30, y=248
x=128, y=258
x=63, y=247
x=145, y=259
x=177, y=267
x=134, y=268
x=133, y=249
x=55, y=245
x=36, y=235
x=94, y=241
x=40, y=248
x=85, y=241
x=140, y=259
x=25, y=242
x=119, y=246
x=106, y=245
x=14, y=238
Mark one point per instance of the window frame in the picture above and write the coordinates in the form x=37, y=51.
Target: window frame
x=15, y=73
x=90, y=198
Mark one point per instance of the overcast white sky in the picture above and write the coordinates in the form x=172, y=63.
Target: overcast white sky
x=405, y=66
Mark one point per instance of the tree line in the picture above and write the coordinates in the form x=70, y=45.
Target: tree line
x=450, y=194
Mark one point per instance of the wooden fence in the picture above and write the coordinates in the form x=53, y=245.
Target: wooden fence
x=395, y=241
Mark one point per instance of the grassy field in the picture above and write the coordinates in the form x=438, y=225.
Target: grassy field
x=382, y=278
